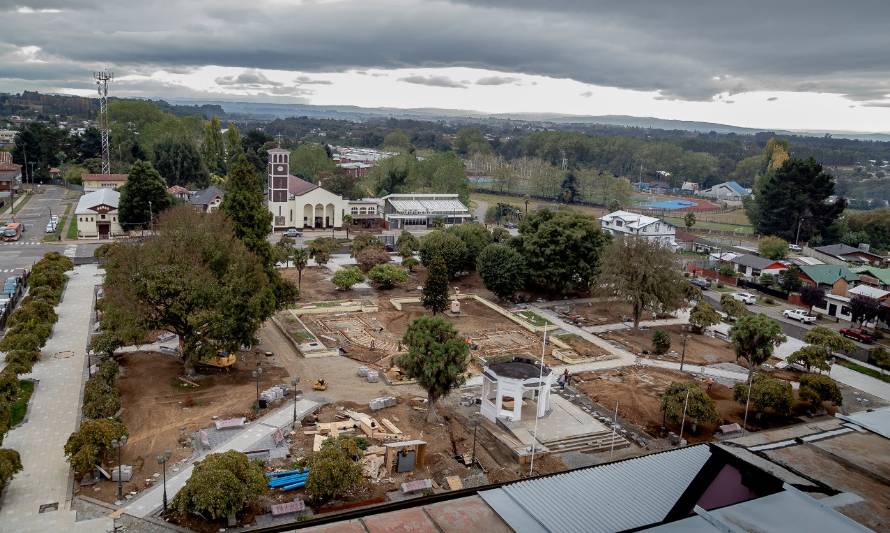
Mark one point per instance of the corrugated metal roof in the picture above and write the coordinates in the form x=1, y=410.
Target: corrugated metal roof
x=606, y=498
x=876, y=421
x=87, y=202
x=789, y=510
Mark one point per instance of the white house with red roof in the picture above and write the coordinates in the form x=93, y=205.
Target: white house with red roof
x=297, y=203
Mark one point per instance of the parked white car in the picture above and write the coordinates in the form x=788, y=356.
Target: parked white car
x=799, y=315
x=795, y=248
x=745, y=297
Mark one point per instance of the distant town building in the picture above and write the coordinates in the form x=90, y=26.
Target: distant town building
x=96, y=214
x=94, y=182
x=651, y=228
x=417, y=211
x=179, y=192
x=207, y=200
x=10, y=177
x=848, y=254
x=7, y=137
x=366, y=212
x=728, y=190
x=295, y=202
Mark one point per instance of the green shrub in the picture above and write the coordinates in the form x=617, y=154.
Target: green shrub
x=91, y=444
x=221, y=485
x=334, y=470
x=661, y=341
x=21, y=341
x=347, y=277
x=22, y=361
x=387, y=276
x=818, y=388
x=100, y=400
x=10, y=465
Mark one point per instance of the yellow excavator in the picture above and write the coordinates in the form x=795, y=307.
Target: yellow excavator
x=320, y=384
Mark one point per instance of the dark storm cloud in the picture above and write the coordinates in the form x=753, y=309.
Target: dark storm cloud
x=434, y=81
x=685, y=49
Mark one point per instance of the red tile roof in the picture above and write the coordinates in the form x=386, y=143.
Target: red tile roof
x=299, y=187
x=177, y=189
x=5, y=157
x=7, y=167
x=104, y=177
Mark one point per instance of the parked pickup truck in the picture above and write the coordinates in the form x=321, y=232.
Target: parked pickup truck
x=745, y=297
x=857, y=335
x=799, y=315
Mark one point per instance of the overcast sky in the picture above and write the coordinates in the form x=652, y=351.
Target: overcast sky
x=794, y=64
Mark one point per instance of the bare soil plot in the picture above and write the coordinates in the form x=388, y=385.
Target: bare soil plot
x=161, y=414
x=598, y=313
x=700, y=349
x=584, y=348
x=316, y=284
x=638, y=393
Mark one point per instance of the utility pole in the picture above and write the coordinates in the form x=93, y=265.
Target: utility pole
x=683, y=355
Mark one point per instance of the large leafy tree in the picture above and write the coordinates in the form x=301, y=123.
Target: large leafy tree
x=196, y=279
x=435, y=287
x=561, y=249
x=772, y=247
x=91, y=444
x=213, y=148
x=502, y=269
x=790, y=280
x=309, y=161
x=642, y=273
x=699, y=409
x=476, y=237
x=179, y=162
x=143, y=196
x=321, y=249
x=437, y=358
x=703, y=316
x=754, y=337
x=10, y=465
x=732, y=307
x=766, y=394
x=334, y=470
x=246, y=208
x=816, y=389
x=797, y=192
x=811, y=295
x=864, y=309
x=446, y=246
x=221, y=485
x=232, y=143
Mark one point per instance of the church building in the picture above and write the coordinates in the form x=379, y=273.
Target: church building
x=297, y=203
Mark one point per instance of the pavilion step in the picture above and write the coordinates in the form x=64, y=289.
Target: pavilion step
x=579, y=437
x=595, y=444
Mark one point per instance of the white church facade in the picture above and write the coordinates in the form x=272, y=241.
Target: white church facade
x=297, y=203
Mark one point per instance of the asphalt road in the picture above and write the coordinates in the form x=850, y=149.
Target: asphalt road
x=791, y=328
x=35, y=215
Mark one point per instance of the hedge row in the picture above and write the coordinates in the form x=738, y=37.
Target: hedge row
x=28, y=328
x=101, y=398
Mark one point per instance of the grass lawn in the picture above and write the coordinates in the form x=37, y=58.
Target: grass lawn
x=72, y=229
x=864, y=370
x=20, y=406
x=716, y=226
x=534, y=318
x=533, y=203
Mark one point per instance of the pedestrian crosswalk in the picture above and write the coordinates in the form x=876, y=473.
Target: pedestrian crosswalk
x=70, y=251
x=21, y=243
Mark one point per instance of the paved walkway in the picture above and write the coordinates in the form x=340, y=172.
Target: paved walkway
x=682, y=318
x=246, y=439
x=54, y=414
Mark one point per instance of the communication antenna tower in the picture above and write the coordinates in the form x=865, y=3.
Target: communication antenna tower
x=102, y=78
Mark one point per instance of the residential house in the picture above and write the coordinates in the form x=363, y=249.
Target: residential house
x=728, y=190
x=753, y=266
x=837, y=281
x=94, y=182
x=849, y=254
x=868, y=291
x=874, y=276
x=207, y=200
x=295, y=202
x=419, y=211
x=651, y=228
x=96, y=214
x=180, y=192
x=689, y=187
x=685, y=240
x=10, y=177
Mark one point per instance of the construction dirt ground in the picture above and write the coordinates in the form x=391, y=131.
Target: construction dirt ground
x=700, y=349
x=161, y=412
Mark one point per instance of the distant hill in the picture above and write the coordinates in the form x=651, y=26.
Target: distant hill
x=355, y=113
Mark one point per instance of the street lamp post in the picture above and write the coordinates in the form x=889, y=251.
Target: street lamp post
x=683, y=355
x=117, y=444
x=294, y=382
x=150, y=216
x=797, y=237
x=257, y=374
x=162, y=460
